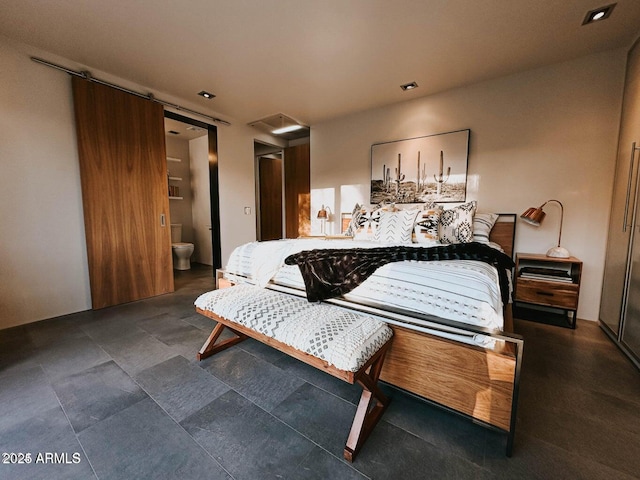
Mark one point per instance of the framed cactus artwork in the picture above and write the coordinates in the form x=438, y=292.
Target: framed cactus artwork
x=425, y=169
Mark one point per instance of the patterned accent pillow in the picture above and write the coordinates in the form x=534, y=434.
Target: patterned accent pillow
x=456, y=224
x=368, y=220
x=482, y=225
x=354, y=222
x=427, y=225
x=395, y=227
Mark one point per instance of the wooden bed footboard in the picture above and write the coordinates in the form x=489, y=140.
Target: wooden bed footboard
x=470, y=380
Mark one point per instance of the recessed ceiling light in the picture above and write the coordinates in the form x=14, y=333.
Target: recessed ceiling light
x=409, y=86
x=206, y=94
x=598, y=14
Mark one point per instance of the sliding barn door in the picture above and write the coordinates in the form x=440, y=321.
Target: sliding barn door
x=124, y=189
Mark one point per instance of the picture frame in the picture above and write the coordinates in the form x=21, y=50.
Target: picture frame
x=432, y=168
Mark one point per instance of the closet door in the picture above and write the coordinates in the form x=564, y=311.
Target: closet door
x=614, y=285
x=124, y=189
x=630, y=335
x=621, y=226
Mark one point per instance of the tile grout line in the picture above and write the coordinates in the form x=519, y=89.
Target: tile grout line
x=290, y=426
x=139, y=386
x=178, y=423
x=73, y=430
x=282, y=421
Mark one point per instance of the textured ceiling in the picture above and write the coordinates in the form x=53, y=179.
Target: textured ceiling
x=313, y=59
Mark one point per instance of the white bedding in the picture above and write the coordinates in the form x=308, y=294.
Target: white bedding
x=462, y=290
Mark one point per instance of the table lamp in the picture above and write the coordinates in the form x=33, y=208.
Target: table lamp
x=535, y=216
x=323, y=216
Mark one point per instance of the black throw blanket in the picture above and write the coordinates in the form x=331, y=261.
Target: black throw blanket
x=334, y=272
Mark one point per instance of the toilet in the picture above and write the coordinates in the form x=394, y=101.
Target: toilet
x=181, y=251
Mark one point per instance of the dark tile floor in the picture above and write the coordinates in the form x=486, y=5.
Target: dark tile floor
x=117, y=394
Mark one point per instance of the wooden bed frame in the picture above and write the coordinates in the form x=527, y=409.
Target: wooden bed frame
x=480, y=383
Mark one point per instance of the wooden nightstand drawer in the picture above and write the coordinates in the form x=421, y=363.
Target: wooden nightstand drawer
x=548, y=282
x=543, y=293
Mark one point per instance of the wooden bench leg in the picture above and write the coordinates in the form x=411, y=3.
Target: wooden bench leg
x=372, y=405
x=210, y=347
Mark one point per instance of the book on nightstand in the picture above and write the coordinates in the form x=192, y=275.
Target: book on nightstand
x=543, y=273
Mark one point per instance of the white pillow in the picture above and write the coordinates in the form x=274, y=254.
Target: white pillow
x=395, y=227
x=456, y=224
x=482, y=225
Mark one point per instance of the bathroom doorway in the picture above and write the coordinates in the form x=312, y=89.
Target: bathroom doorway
x=192, y=162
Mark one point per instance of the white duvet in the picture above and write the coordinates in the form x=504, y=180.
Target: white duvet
x=466, y=291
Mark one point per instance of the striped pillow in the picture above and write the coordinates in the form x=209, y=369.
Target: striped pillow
x=395, y=227
x=482, y=225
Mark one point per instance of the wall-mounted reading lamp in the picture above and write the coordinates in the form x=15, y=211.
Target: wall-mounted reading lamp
x=534, y=216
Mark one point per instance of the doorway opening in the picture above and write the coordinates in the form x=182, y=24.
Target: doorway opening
x=270, y=214
x=194, y=201
x=282, y=190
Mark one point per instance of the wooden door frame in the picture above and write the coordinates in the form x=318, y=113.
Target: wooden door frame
x=214, y=183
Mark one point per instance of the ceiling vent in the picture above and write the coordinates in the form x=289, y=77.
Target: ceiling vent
x=282, y=126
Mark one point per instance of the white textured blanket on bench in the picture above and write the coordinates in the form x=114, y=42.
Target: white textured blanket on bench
x=340, y=337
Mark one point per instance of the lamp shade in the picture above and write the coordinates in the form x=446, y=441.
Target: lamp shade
x=535, y=216
x=322, y=213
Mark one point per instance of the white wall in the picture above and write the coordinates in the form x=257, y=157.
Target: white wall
x=237, y=184
x=43, y=258
x=43, y=264
x=546, y=133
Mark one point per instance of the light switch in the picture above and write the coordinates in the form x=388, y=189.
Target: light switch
x=247, y=210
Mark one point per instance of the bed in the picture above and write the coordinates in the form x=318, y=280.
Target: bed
x=453, y=341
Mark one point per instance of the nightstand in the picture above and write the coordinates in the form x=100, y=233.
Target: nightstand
x=548, y=282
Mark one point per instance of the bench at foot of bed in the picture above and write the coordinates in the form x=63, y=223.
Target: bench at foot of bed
x=344, y=344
